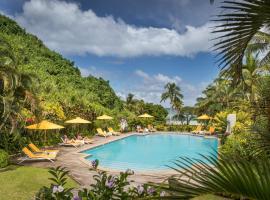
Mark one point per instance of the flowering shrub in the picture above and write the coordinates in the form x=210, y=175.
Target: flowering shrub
x=95, y=164
x=106, y=187
x=116, y=187
x=57, y=190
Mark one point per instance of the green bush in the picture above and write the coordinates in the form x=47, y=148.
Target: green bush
x=240, y=146
x=4, y=159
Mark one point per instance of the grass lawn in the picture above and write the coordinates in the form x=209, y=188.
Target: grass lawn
x=21, y=183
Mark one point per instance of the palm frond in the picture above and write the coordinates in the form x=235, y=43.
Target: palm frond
x=221, y=177
x=242, y=20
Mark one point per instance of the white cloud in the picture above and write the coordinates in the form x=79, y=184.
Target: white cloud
x=151, y=87
x=64, y=27
x=92, y=70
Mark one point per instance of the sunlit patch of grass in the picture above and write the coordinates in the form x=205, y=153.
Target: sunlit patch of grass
x=21, y=182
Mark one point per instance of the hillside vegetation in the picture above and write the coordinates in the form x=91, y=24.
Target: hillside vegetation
x=58, y=89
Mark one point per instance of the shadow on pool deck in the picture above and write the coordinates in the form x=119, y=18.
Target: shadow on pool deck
x=73, y=160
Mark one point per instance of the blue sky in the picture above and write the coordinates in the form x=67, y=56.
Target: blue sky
x=138, y=46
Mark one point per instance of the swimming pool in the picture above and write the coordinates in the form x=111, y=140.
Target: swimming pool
x=150, y=152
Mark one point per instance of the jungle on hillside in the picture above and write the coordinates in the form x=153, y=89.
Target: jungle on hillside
x=37, y=83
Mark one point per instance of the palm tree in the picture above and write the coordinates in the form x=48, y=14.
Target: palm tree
x=217, y=96
x=239, y=26
x=129, y=99
x=261, y=44
x=173, y=94
x=252, y=73
x=15, y=89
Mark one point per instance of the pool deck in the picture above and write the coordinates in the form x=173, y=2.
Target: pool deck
x=73, y=160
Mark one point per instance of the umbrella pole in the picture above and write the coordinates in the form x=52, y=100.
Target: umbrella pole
x=45, y=138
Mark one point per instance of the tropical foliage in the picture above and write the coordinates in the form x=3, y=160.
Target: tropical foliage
x=37, y=83
x=242, y=168
x=239, y=26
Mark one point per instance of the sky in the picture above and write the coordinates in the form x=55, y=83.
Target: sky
x=138, y=45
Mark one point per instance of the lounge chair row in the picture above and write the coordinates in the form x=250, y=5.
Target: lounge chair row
x=105, y=134
x=149, y=128
x=37, y=154
x=199, y=131
x=75, y=142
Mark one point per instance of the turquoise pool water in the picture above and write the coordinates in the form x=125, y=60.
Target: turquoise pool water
x=150, y=152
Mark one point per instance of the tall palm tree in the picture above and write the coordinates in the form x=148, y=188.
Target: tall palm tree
x=238, y=26
x=173, y=94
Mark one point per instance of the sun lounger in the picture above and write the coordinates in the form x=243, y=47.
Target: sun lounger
x=151, y=128
x=88, y=140
x=197, y=130
x=110, y=129
x=102, y=133
x=139, y=129
x=211, y=131
x=70, y=143
x=36, y=157
x=35, y=149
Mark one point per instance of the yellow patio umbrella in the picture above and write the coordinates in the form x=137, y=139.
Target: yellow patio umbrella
x=44, y=125
x=77, y=120
x=105, y=117
x=145, y=115
x=204, y=117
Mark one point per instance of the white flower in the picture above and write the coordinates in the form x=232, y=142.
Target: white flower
x=55, y=189
x=60, y=189
x=140, y=189
x=162, y=194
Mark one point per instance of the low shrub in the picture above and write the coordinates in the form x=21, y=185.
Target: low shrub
x=4, y=159
x=105, y=187
x=240, y=146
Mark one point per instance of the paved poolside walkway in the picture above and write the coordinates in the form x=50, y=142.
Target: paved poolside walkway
x=74, y=161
